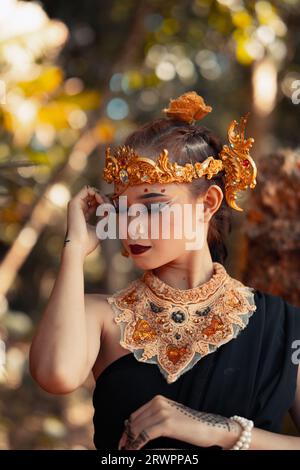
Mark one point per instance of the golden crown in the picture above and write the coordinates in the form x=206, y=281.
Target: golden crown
x=128, y=168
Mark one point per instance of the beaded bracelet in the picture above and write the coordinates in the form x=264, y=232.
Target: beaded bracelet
x=245, y=438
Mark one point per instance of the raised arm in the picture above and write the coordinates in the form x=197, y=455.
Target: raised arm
x=67, y=339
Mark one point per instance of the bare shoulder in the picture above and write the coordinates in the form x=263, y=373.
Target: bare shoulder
x=96, y=299
x=97, y=307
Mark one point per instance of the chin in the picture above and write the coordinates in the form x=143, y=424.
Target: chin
x=144, y=263
x=150, y=263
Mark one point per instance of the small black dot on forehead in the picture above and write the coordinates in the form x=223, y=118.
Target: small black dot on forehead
x=145, y=190
x=163, y=190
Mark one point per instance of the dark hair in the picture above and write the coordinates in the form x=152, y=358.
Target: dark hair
x=188, y=143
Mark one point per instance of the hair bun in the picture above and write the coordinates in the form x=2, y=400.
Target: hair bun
x=189, y=107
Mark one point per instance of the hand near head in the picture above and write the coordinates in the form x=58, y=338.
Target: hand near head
x=80, y=209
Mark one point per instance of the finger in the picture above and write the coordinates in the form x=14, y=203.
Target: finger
x=126, y=434
x=126, y=437
x=92, y=199
x=148, y=433
x=95, y=192
x=100, y=197
x=149, y=407
x=137, y=424
x=146, y=419
x=88, y=192
x=155, y=404
x=142, y=439
x=83, y=193
x=90, y=203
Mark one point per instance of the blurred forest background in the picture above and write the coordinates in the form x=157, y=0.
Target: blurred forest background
x=78, y=76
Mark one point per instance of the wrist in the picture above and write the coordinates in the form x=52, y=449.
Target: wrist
x=72, y=250
x=244, y=440
x=226, y=438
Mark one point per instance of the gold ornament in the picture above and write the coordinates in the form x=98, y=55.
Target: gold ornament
x=125, y=167
x=175, y=328
x=239, y=166
x=189, y=107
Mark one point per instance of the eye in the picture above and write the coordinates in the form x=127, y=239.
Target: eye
x=157, y=207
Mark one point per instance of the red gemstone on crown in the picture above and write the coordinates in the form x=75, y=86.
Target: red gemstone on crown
x=246, y=162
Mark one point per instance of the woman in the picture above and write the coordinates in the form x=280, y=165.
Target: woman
x=185, y=356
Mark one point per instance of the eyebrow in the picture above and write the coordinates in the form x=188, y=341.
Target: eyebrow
x=145, y=196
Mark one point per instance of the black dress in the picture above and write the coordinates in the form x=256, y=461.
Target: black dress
x=253, y=375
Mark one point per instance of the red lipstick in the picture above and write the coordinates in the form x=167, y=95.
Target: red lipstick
x=138, y=249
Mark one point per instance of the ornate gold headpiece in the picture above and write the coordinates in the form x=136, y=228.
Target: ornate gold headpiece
x=128, y=168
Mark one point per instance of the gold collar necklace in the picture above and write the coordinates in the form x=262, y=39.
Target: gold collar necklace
x=175, y=328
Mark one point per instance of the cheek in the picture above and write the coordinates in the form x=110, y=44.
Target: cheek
x=179, y=230
x=172, y=226
x=168, y=249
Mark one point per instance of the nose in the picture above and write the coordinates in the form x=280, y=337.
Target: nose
x=137, y=231
x=140, y=230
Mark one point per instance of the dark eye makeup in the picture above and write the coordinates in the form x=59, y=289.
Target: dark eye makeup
x=157, y=206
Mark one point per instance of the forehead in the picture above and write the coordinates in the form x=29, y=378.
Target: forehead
x=138, y=190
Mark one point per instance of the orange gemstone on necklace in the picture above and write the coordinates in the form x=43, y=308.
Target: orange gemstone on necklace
x=214, y=326
x=143, y=331
x=174, y=353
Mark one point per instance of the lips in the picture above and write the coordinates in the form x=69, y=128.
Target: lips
x=138, y=249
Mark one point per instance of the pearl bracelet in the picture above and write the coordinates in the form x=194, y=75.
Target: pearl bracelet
x=245, y=438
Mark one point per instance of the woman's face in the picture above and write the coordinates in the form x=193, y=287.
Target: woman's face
x=171, y=235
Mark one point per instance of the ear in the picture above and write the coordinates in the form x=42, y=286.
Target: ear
x=212, y=201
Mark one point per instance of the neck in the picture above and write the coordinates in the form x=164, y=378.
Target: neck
x=192, y=270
